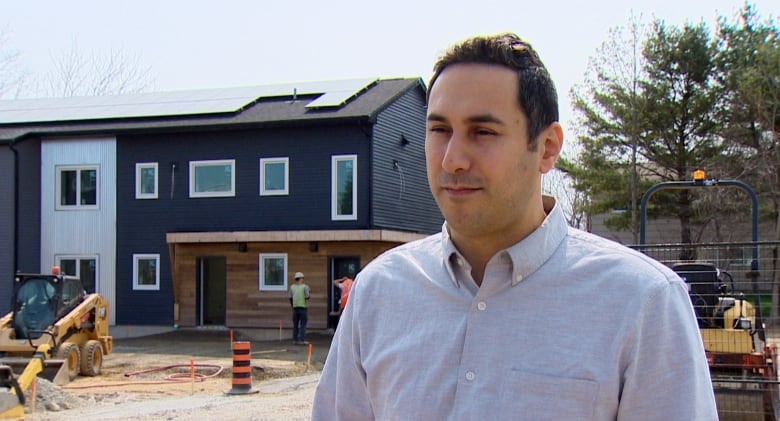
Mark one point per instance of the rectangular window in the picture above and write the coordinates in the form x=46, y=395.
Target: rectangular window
x=274, y=176
x=344, y=187
x=146, y=180
x=146, y=272
x=77, y=187
x=213, y=178
x=273, y=272
x=83, y=267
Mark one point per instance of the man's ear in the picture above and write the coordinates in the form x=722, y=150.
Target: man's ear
x=550, y=145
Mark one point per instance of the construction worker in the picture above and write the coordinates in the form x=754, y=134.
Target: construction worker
x=344, y=285
x=299, y=301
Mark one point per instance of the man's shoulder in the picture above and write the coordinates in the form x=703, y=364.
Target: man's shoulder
x=616, y=255
x=420, y=253
x=427, y=246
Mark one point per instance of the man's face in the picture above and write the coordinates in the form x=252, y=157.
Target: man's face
x=484, y=178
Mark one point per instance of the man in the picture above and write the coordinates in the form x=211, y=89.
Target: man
x=345, y=286
x=508, y=313
x=299, y=300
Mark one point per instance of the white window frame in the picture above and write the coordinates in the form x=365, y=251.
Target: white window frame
x=261, y=277
x=282, y=192
x=139, y=167
x=335, y=160
x=137, y=258
x=58, y=186
x=58, y=258
x=217, y=162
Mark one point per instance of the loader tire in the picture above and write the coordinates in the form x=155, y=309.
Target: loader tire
x=91, y=358
x=69, y=352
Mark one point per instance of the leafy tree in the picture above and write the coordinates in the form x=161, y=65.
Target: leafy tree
x=608, y=149
x=659, y=125
x=750, y=61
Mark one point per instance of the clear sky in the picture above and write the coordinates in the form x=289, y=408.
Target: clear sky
x=198, y=44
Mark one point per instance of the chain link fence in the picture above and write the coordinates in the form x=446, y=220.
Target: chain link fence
x=734, y=295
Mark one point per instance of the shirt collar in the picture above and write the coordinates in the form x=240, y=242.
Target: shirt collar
x=527, y=255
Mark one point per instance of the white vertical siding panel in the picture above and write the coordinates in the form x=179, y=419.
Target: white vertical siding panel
x=81, y=232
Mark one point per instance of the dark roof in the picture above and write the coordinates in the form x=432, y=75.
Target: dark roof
x=263, y=111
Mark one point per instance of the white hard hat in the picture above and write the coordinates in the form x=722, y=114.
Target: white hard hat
x=298, y=275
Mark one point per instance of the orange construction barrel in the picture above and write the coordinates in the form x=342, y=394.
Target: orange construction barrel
x=242, y=369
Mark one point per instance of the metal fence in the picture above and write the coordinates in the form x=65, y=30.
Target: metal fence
x=731, y=289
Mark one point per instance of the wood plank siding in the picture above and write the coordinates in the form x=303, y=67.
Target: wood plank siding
x=247, y=306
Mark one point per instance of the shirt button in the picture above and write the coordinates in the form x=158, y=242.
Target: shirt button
x=518, y=278
x=481, y=306
x=470, y=375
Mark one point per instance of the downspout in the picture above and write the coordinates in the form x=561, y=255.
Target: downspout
x=16, y=207
x=369, y=131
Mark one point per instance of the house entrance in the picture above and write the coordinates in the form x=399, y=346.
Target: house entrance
x=339, y=267
x=211, y=290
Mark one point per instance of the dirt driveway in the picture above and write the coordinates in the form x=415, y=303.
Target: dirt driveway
x=150, y=378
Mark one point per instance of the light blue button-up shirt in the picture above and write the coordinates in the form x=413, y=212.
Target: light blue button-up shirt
x=565, y=326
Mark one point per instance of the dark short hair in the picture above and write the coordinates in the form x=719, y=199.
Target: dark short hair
x=537, y=97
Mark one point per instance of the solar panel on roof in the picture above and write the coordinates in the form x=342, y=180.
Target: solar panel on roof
x=174, y=103
x=337, y=97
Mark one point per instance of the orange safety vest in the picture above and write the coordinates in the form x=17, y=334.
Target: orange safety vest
x=346, y=286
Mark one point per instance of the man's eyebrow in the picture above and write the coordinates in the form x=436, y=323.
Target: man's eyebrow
x=485, y=118
x=436, y=117
x=481, y=118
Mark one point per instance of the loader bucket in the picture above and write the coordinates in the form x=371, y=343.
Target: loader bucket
x=11, y=395
x=54, y=370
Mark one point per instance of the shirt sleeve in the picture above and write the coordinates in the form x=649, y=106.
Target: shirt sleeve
x=668, y=362
x=341, y=393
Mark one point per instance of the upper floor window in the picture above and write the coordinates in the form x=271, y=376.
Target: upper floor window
x=273, y=272
x=213, y=178
x=146, y=180
x=344, y=187
x=83, y=267
x=146, y=271
x=274, y=176
x=77, y=187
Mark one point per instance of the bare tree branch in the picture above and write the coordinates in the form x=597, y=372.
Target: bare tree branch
x=110, y=73
x=12, y=77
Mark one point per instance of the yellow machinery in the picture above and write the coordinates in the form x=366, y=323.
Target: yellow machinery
x=742, y=364
x=55, y=330
x=727, y=321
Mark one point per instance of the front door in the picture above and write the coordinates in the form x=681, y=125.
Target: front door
x=339, y=267
x=211, y=290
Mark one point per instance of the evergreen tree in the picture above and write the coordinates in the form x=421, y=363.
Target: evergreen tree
x=659, y=127
x=750, y=64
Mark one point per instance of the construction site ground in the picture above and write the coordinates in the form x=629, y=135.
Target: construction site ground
x=151, y=378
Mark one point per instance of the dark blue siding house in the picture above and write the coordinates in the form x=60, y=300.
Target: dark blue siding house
x=195, y=208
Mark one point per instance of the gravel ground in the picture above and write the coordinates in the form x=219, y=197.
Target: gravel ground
x=277, y=399
x=149, y=378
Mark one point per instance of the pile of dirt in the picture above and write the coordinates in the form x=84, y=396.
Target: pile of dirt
x=50, y=397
